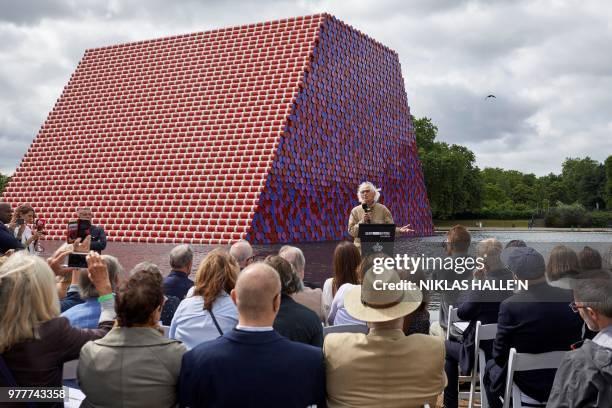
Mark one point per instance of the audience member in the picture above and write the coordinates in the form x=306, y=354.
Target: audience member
x=134, y=364
x=338, y=314
x=210, y=312
x=253, y=365
x=69, y=296
x=96, y=232
x=86, y=315
x=584, y=378
x=7, y=239
x=294, y=321
x=536, y=320
x=309, y=297
x=562, y=266
x=384, y=367
x=589, y=259
x=515, y=243
x=474, y=306
x=34, y=341
x=457, y=245
x=177, y=283
x=170, y=302
x=242, y=252
x=346, y=261
x=22, y=219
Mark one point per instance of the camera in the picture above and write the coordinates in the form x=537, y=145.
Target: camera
x=39, y=225
x=78, y=229
x=20, y=221
x=76, y=260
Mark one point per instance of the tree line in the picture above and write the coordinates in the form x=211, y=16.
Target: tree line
x=457, y=188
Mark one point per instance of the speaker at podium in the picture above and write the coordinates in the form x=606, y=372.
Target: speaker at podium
x=377, y=238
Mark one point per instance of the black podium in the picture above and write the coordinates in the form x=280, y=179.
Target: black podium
x=377, y=238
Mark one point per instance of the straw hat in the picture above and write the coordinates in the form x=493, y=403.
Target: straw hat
x=371, y=305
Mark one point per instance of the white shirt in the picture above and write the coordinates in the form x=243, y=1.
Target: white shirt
x=604, y=337
x=338, y=314
x=27, y=234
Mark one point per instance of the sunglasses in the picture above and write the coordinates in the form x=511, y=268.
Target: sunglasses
x=575, y=307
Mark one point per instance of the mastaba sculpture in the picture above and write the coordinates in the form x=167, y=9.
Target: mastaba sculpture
x=260, y=132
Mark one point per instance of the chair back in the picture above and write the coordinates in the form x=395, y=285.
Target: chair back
x=527, y=362
x=483, y=332
x=452, y=318
x=70, y=370
x=346, y=328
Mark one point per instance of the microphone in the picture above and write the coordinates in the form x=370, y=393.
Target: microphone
x=366, y=209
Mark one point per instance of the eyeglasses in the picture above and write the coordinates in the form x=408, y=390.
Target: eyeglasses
x=575, y=307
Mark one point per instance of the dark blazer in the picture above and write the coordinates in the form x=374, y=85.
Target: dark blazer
x=532, y=325
x=98, y=238
x=8, y=240
x=252, y=369
x=177, y=284
x=483, y=306
x=298, y=323
x=39, y=363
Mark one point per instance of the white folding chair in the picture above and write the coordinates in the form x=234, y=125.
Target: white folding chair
x=483, y=332
x=70, y=370
x=450, y=321
x=346, y=328
x=166, y=330
x=527, y=362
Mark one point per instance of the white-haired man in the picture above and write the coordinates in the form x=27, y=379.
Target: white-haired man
x=312, y=298
x=370, y=211
x=242, y=252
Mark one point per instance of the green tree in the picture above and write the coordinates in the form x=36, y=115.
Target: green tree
x=3, y=182
x=584, y=181
x=425, y=132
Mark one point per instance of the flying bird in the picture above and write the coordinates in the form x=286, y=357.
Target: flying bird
x=491, y=96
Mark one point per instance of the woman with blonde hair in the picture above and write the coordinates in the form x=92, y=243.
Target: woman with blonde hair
x=34, y=341
x=209, y=312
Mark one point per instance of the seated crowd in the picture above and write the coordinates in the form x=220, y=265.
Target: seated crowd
x=247, y=333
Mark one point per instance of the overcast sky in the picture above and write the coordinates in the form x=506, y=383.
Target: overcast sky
x=548, y=63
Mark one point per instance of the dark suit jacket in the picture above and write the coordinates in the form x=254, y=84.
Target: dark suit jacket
x=98, y=239
x=177, y=284
x=534, y=326
x=8, y=240
x=483, y=306
x=252, y=369
x=298, y=323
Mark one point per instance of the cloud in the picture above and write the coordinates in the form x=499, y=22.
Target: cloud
x=545, y=60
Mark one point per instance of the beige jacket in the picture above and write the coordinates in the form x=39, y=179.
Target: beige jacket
x=130, y=367
x=312, y=299
x=379, y=214
x=384, y=368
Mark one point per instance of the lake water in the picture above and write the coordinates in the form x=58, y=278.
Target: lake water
x=319, y=254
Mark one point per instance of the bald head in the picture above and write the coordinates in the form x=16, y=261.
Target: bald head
x=257, y=295
x=6, y=212
x=242, y=252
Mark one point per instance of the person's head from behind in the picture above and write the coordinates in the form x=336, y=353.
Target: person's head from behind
x=145, y=266
x=242, y=252
x=26, y=213
x=28, y=297
x=562, y=262
x=593, y=298
x=458, y=240
x=490, y=250
x=115, y=272
x=6, y=212
x=589, y=259
x=181, y=258
x=525, y=263
x=515, y=243
x=295, y=257
x=140, y=299
x=346, y=262
x=216, y=275
x=290, y=282
x=257, y=295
